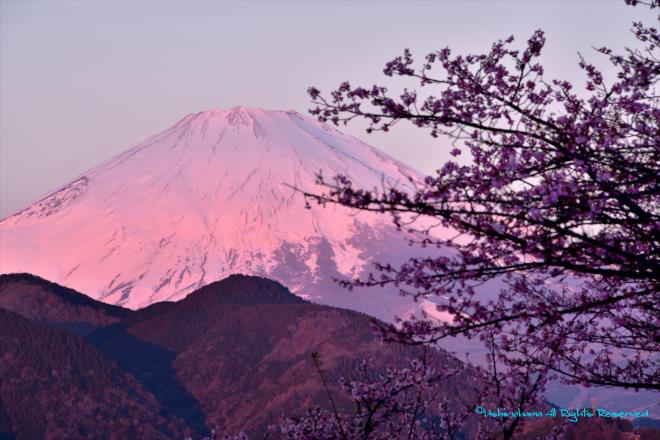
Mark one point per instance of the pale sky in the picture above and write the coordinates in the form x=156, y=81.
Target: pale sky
x=81, y=81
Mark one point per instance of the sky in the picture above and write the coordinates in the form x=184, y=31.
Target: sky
x=81, y=81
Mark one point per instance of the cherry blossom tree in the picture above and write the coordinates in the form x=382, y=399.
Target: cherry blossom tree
x=559, y=201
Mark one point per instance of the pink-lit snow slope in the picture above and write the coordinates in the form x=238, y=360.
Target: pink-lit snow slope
x=209, y=197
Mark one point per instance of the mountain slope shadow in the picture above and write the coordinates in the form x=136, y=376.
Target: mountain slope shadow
x=152, y=366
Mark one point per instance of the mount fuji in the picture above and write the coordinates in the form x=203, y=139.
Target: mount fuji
x=211, y=196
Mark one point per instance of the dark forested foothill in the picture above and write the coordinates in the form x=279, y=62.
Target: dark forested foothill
x=236, y=354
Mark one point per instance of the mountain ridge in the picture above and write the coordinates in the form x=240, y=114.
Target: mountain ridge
x=49, y=303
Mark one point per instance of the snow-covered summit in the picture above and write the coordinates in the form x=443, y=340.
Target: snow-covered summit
x=210, y=196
